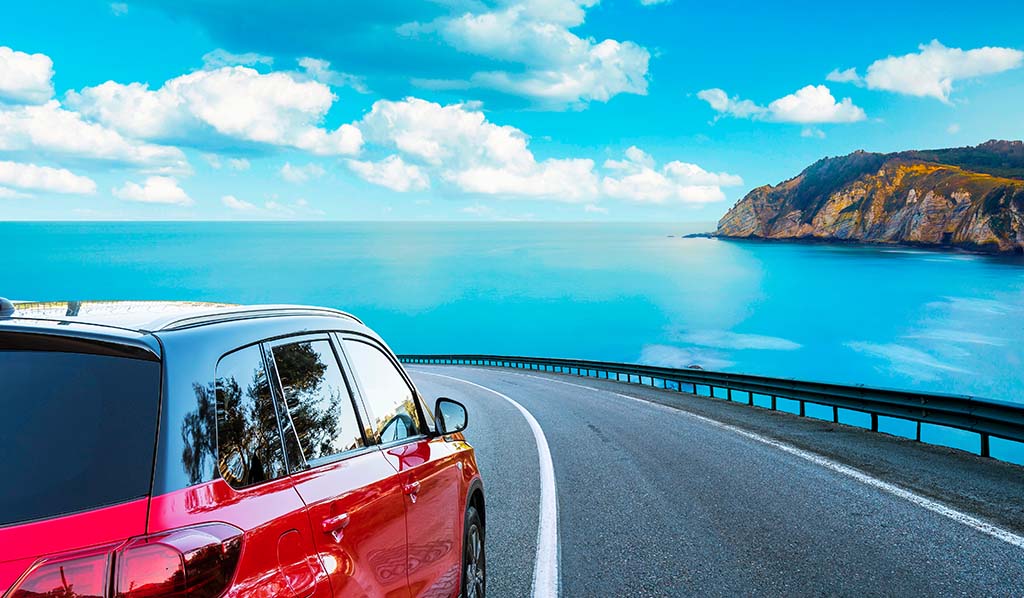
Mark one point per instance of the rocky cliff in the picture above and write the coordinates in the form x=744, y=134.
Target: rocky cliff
x=970, y=198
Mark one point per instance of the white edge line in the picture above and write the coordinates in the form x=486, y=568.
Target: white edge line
x=545, y=569
x=926, y=503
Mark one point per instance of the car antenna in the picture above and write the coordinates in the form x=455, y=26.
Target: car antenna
x=6, y=308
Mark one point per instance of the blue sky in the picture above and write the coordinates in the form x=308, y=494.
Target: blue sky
x=464, y=110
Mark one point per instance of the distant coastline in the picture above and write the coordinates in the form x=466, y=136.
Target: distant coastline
x=937, y=247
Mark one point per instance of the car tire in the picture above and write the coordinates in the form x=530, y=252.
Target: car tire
x=474, y=562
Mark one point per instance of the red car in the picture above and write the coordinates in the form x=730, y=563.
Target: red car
x=174, y=449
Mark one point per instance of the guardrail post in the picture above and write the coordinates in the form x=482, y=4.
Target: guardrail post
x=803, y=408
x=984, y=446
x=874, y=422
x=750, y=398
x=835, y=415
x=774, y=401
x=728, y=394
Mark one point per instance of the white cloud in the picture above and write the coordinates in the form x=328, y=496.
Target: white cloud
x=807, y=105
x=558, y=67
x=478, y=210
x=219, y=58
x=227, y=103
x=213, y=160
x=301, y=174
x=570, y=180
x=814, y=104
x=933, y=71
x=50, y=130
x=637, y=179
x=298, y=208
x=44, y=178
x=812, y=132
x=732, y=106
x=6, y=193
x=953, y=129
x=461, y=147
x=234, y=203
x=452, y=134
x=474, y=154
x=606, y=70
x=320, y=70
x=119, y=9
x=155, y=189
x=392, y=172
x=845, y=76
x=25, y=78
x=654, y=2
x=216, y=163
x=592, y=209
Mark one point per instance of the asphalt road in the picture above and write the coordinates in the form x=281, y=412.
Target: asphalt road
x=674, y=495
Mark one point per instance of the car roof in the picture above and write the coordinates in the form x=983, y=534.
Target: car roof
x=151, y=316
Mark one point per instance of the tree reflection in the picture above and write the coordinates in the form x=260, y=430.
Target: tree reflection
x=197, y=435
x=245, y=444
x=314, y=392
x=249, y=448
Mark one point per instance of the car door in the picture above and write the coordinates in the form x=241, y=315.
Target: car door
x=429, y=468
x=352, y=493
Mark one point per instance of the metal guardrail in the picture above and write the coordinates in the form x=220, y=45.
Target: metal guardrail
x=985, y=417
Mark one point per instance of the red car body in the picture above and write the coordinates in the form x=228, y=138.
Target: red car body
x=227, y=510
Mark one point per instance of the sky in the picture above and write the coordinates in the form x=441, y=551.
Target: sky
x=562, y=110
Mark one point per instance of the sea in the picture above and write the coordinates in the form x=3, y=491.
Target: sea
x=629, y=292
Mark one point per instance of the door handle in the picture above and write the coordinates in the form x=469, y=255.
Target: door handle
x=334, y=525
x=411, y=489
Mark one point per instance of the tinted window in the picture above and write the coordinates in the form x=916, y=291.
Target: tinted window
x=388, y=397
x=320, y=412
x=248, y=442
x=77, y=431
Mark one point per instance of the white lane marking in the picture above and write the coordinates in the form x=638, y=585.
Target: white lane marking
x=852, y=472
x=545, y=569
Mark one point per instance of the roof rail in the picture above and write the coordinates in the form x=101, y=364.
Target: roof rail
x=245, y=313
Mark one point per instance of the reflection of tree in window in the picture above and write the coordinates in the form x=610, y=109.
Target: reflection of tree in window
x=197, y=436
x=318, y=404
x=248, y=445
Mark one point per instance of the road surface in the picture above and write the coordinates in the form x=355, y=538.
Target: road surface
x=658, y=493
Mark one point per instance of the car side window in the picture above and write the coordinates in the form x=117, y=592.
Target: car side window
x=249, y=449
x=389, y=399
x=318, y=406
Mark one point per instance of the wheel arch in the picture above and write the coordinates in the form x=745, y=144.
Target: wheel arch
x=475, y=498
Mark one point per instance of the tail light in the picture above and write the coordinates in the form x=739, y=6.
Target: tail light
x=192, y=562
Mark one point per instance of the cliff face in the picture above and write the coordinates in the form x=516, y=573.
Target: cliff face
x=971, y=198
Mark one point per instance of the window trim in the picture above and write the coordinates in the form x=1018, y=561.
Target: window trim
x=277, y=390
x=277, y=418
x=417, y=399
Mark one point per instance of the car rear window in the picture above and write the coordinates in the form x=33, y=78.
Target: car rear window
x=77, y=429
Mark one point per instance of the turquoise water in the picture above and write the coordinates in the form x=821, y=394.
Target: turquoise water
x=622, y=292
